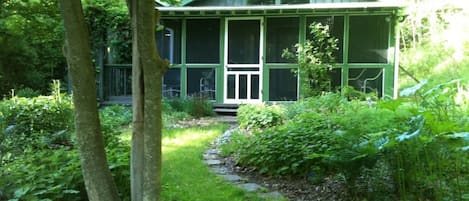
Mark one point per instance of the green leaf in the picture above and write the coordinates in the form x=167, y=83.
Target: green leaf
x=416, y=126
x=465, y=197
x=22, y=191
x=412, y=90
x=71, y=191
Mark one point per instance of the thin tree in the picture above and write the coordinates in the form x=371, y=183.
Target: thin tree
x=99, y=183
x=147, y=74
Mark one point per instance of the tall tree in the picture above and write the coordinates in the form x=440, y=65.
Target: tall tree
x=97, y=176
x=148, y=70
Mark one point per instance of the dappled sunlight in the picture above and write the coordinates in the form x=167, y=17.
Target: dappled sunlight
x=189, y=137
x=174, y=139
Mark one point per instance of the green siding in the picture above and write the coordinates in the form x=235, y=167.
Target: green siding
x=183, y=60
x=220, y=88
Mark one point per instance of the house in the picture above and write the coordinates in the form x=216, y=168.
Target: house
x=231, y=50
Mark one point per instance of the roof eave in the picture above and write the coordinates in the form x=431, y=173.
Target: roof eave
x=354, y=5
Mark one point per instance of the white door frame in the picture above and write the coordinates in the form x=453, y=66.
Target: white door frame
x=237, y=100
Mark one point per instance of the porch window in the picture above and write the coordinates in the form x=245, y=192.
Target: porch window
x=367, y=80
x=281, y=33
x=261, y=2
x=201, y=81
x=336, y=28
x=283, y=85
x=169, y=40
x=172, y=83
x=294, y=1
x=368, y=39
x=203, y=41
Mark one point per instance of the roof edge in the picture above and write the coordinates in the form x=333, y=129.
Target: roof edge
x=353, y=5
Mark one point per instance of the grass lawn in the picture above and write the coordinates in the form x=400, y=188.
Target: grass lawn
x=186, y=177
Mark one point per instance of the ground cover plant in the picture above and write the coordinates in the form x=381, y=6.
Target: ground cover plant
x=413, y=148
x=39, y=160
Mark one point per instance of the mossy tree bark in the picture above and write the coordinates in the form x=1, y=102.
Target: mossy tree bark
x=148, y=70
x=99, y=183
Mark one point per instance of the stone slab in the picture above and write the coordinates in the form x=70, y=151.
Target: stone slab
x=251, y=187
x=232, y=177
x=213, y=162
x=219, y=170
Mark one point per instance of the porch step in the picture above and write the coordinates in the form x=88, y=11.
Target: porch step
x=226, y=109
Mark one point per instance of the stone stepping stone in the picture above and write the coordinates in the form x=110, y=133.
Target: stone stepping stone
x=211, y=156
x=271, y=195
x=213, y=162
x=213, y=151
x=251, y=187
x=220, y=170
x=232, y=177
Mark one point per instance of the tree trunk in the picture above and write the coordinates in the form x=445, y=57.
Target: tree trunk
x=99, y=183
x=136, y=164
x=148, y=69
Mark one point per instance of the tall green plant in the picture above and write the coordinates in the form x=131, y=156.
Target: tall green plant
x=315, y=58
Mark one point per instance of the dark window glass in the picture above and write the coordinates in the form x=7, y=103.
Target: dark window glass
x=294, y=1
x=231, y=86
x=172, y=83
x=283, y=85
x=368, y=39
x=261, y=2
x=169, y=40
x=243, y=41
x=243, y=87
x=367, y=80
x=203, y=41
x=201, y=81
x=281, y=33
x=336, y=78
x=336, y=28
x=254, y=86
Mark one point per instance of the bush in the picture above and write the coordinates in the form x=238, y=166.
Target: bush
x=319, y=140
x=37, y=166
x=116, y=115
x=43, y=174
x=27, y=93
x=195, y=106
x=41, y=122
x=414, y=147
x=259, y=116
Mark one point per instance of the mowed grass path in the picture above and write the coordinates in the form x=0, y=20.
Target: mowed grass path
x=186, y=177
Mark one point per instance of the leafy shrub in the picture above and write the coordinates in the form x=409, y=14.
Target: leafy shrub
x=235, y=142
x=196, y=106
x=320, y=140
x=259, y=116
x=27, y=93
x=417, y=144
x=40, y=169
x=56, y=174
x=43, y=175
x=314, y=59
x=116, y=115
x=41, y=122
